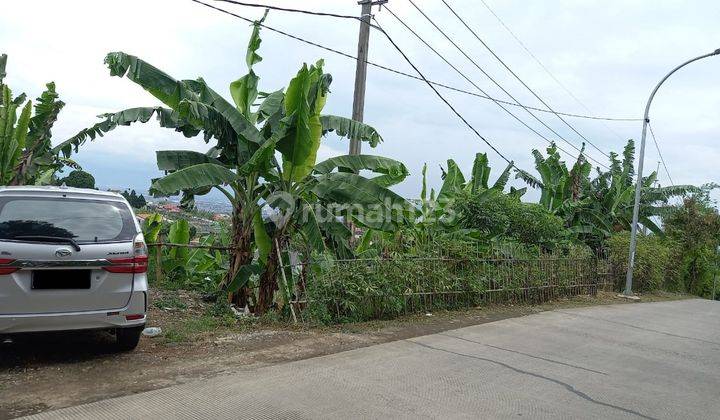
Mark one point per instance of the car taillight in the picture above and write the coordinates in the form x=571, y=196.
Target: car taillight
x=4, y=269
x=137, y=264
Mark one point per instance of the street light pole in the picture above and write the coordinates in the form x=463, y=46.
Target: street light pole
x=638, y=183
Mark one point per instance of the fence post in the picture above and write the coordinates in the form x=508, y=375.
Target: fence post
x=158, y=263
x=285, y=281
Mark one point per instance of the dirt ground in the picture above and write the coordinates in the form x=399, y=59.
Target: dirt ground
x=41, y=372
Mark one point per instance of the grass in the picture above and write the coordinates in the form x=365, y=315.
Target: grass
x=201, y=322
x=216, y=317
x=170, y=302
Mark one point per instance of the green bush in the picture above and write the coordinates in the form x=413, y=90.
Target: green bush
x=695, y=227
x=653, y=263
x=486, y=212
x=449, y=275
x=530, y=223
x=500, y=215
x=78, y=179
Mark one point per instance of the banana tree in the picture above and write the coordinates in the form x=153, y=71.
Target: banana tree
x=305, y=197
x=454, y=184
x=26, y=152
x=595, y=208
x=434, y=214
x=613, y=193
x=242, y=162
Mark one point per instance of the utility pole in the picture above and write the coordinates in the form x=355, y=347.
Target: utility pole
x=361, y=68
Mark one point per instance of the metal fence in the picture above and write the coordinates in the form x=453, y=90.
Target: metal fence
x=372, y=288
x=362, y=289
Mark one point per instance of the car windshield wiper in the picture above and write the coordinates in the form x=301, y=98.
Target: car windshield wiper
x=71, y=241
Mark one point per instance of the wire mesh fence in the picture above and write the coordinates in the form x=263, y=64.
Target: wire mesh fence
x=384, y=288
x=359, y=289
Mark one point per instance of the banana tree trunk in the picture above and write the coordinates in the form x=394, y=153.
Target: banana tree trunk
x=239, y=256
x=269, y=278
x=20, y=170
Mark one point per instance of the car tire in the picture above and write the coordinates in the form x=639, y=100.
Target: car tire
x=128, y=338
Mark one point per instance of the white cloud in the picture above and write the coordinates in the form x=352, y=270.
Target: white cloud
x=609, y=53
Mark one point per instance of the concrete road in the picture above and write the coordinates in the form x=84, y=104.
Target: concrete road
x=646, y=360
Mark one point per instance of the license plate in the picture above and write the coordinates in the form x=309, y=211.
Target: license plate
x=60, y=279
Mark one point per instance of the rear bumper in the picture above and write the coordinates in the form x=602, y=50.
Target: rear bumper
x=10, y=324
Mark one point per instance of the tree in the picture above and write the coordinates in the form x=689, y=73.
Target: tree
x=78, y=179
x=695, y=227
x=26, y=152
x=592, y=209
x=242, y=162
x=135, y=200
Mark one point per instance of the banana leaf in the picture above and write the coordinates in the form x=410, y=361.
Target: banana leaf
x=480, y=172
x=196, y=176
x=502, y=180
x=243, y=127
x=242, y=277
x=179, y=234
x=271, y=105
x=244, y=91
x=453, y=182
x=172, y=160
x=309, y=228
x=262, y=239
x=305, y=98
x=381, y=209
x=346, y=127
x=167, y=118
x=355, y=163
x=161, y=85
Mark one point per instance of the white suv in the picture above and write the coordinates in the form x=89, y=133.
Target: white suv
x=71, y=259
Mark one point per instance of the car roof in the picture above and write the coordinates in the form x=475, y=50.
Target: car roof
x=31, y=190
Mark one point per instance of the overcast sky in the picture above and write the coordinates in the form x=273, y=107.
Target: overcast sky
x=609, y=54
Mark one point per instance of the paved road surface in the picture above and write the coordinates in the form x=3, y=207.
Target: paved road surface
x=647, y=360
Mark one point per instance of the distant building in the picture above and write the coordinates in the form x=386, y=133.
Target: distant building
x=171, y=207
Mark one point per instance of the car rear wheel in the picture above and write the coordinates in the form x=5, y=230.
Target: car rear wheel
x=128, y=338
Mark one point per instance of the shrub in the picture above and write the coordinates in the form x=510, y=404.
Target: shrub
x=652, y=260
x=486, y=212
x=78, y=179
x=531, y=223
x=500, y=215
x=448, y=275
x=695, y=226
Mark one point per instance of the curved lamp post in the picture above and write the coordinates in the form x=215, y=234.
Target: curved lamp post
x=638, y=183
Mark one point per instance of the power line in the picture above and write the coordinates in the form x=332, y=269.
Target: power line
x=494, y=81
x=549, y=73
x=420, y=74
x=657, y=146
x=537, y=60
x=284, y=9
x=518, y=77
x=464, y=76
x=396, y=71
x=405, y=57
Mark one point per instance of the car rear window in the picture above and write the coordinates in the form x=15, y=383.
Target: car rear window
x=85, y=221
